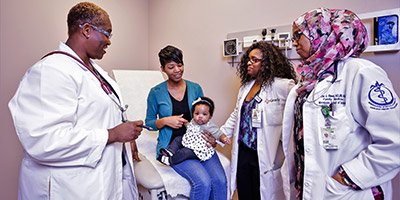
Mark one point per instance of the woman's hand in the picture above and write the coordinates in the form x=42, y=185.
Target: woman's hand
x=211, y=142
x=174, y=122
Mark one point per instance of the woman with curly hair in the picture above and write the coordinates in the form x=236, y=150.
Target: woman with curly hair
x=256, y=122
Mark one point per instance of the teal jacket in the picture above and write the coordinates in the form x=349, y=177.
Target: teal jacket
x=159, y=105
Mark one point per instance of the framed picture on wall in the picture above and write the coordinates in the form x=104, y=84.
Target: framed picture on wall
x=386, y=29
x=231, y=47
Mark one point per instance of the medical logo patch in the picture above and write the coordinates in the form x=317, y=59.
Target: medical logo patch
x=381, y=98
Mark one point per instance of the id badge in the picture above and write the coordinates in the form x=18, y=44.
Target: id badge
x=256, y=118
x=329, y=138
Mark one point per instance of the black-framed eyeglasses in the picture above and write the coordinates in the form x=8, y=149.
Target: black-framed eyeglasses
x=254, y=60
x=106, y=33
x=297, y=35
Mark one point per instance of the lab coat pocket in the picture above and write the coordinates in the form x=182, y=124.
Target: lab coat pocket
x=335, y=190
x=274, y=115
x=74, y=184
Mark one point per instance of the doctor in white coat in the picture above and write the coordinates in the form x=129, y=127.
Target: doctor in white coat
x=341, y=123
x=67, y=115
x=256, y=123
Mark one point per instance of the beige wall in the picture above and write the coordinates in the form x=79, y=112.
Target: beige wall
x=29, y=29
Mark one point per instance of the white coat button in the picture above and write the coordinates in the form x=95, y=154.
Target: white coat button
x=308, y=149
x=307, y=184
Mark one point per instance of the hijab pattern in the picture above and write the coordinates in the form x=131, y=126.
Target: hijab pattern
x=334, y=35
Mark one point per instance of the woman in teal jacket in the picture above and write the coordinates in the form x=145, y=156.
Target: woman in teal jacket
x=168, y=110
x=159, y=106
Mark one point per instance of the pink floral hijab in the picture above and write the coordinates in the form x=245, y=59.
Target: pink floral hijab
x=334, y=35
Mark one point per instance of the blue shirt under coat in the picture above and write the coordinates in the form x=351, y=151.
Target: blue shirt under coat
x=159, y=105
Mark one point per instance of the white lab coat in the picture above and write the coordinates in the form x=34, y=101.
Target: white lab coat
x=368, y=133
x=268, y=136
x=61, y=116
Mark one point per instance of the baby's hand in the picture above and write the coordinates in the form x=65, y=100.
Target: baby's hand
x=224, y=139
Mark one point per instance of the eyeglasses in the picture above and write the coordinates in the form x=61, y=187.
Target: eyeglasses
x=297, y=35
x=106, y=33
x=254, y=60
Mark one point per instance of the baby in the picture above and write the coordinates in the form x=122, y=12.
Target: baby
x=192, y=145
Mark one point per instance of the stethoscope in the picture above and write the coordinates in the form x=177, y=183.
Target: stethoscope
x=106, y=88
x=320, y=78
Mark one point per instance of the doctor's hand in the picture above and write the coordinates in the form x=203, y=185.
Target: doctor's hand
x=125, y=132
x=224, y=139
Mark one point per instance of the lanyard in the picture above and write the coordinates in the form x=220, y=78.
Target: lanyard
x=106, y=88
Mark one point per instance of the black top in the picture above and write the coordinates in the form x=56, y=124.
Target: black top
x=178, y=108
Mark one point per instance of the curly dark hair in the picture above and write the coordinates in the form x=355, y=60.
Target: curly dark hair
x=85, y=12
x=273, y=64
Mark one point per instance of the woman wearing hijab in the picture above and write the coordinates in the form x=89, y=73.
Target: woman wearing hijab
x=341, y=122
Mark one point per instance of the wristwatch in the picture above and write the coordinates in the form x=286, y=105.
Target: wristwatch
x=343, y=177
x=345, y=181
